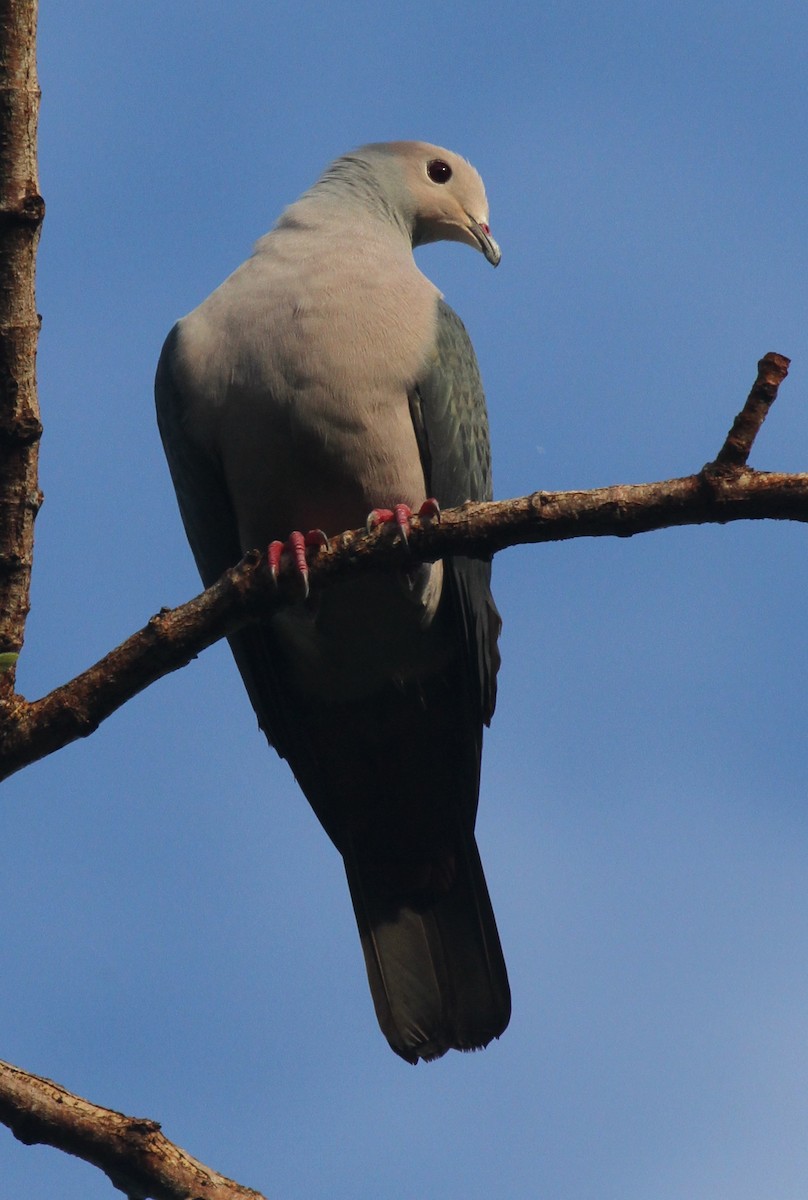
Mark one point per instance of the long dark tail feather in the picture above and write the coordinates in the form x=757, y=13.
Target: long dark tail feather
x=435, y=966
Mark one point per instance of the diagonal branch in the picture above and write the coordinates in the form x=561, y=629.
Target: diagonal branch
x=132, y=1151
x=722, y=491
x=772, y=370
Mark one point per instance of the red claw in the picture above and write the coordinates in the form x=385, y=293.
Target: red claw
x=297, y=549
x=274, y=552
x=401, y=514
x=429, y=510
x=378, y=516
x=296, y=545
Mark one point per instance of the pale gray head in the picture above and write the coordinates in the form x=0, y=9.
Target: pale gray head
x=432, y=193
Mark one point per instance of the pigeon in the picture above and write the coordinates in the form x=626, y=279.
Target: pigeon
x=325, y=380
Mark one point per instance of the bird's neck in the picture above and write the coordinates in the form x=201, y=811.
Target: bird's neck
x=349, y=190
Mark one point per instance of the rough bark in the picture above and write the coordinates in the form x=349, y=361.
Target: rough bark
x=131, y=1151
x=21, y=213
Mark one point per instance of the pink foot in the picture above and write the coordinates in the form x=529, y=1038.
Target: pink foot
x=401, y=514
x=296, y=545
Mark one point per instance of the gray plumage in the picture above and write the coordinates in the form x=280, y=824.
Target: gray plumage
x=327, y=377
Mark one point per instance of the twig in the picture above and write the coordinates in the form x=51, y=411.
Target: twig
x=772, y=370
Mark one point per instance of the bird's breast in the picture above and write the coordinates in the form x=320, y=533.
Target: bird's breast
x=312, y=423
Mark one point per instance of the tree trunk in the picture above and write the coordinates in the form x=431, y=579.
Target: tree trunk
x=21, y=213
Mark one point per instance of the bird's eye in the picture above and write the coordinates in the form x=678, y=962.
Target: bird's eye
x=439, y=171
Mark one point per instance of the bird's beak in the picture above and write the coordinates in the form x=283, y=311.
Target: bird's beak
x=482, y=236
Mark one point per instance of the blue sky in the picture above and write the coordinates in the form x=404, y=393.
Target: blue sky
x=178, y=940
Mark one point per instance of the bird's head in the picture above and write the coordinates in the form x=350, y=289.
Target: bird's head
x=435, y=193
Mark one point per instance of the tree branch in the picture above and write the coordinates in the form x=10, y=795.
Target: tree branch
x=132, y=1151
x=21, y=213
x=724, y=490
x=772, y=370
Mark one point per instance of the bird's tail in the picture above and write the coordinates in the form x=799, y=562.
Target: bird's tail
x=432, y=952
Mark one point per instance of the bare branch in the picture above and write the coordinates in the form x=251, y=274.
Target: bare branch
x=772, y=370
x=132, y=1151
x=21, y=213
x=720, y=492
